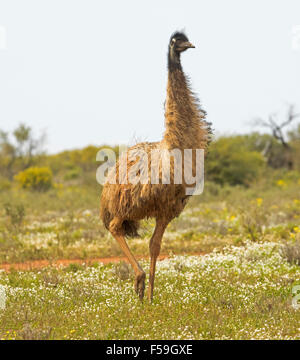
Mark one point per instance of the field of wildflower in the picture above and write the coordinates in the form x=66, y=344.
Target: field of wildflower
x=232, y=267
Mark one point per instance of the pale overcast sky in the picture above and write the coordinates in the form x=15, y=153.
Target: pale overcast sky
x=94, y=72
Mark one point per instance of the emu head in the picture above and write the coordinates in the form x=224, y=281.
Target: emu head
x=179, y=43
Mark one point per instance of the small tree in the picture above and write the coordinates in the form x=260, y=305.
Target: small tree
x=18, y=153
x=283, y=158
x=7, y=155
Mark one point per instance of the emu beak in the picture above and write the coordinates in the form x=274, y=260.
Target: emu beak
x=188, y=45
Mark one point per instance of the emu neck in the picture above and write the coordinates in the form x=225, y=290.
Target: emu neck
x=174, y=60
x=180, y=112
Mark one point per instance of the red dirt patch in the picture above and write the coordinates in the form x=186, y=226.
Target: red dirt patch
x=39, y=264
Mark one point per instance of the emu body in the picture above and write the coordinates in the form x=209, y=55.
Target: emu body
x=124, y=204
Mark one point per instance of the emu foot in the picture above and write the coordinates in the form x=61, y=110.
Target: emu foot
x=139, y=285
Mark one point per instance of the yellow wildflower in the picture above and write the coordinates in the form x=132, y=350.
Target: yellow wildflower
x=259, y=201
x=281, y=183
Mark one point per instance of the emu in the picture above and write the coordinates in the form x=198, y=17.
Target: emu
x=124, y=204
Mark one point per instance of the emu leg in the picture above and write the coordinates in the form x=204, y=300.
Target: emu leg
x=140, y=276
x=155, y=244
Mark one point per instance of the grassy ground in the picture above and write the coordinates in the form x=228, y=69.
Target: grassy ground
x=241, y=290
x=242, y=293
x=64, y=222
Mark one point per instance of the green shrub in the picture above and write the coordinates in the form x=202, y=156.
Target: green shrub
x=16, y=213
x=5, y=184
x=35, y=178
x=73, y=173
x=230, y=161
